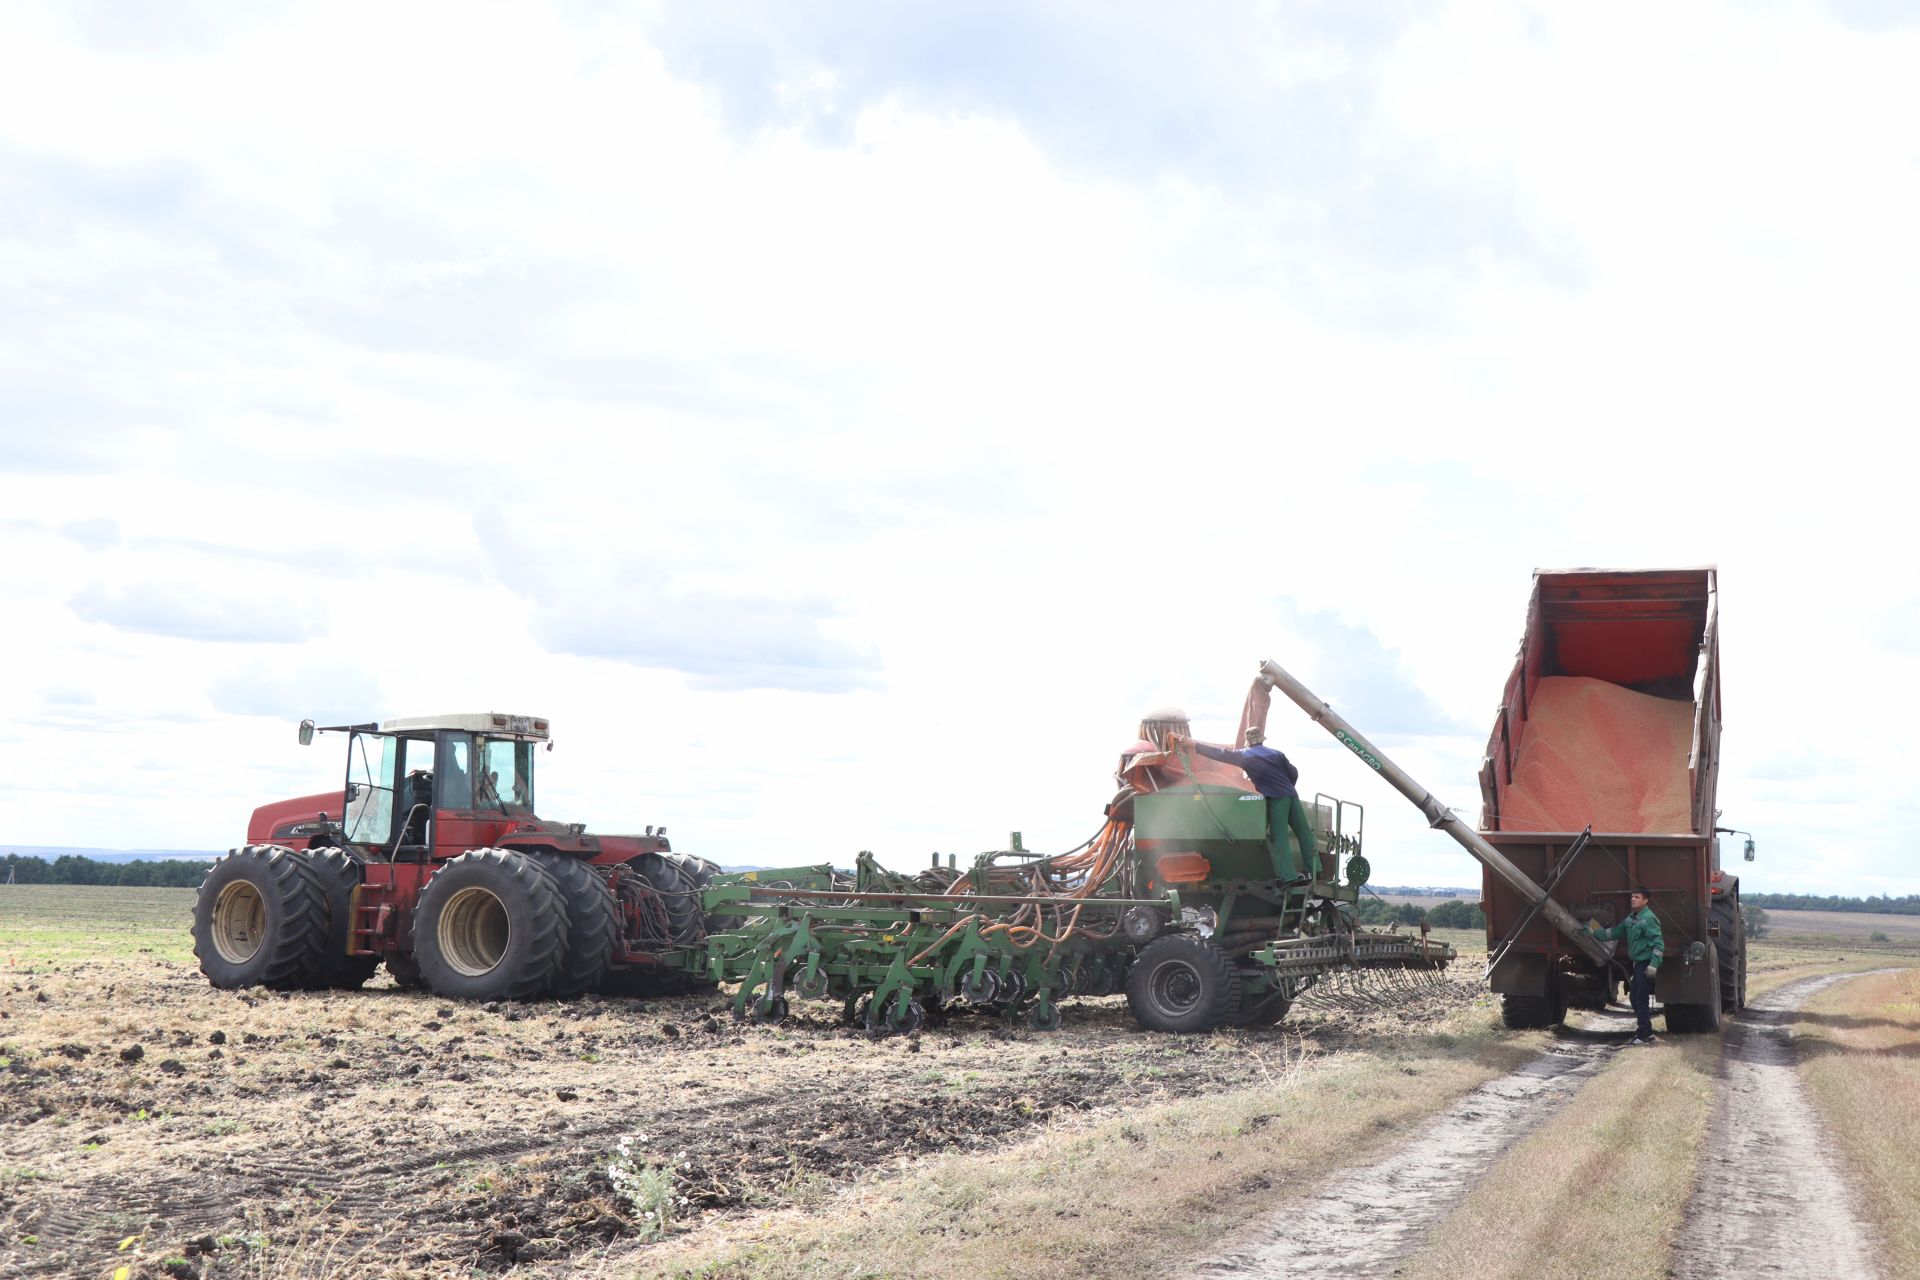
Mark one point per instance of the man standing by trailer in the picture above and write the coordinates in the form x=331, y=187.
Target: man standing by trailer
x=1273, y=776
x=1644, y=944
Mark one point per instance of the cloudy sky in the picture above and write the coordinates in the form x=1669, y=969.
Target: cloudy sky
x=844, y=420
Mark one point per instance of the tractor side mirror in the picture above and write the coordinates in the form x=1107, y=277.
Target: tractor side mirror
x=1749, y=851
x=353, y=791
x=306, y=733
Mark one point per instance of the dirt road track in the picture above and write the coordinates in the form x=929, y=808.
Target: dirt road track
x=1769, y=1200
x=1393, y=1204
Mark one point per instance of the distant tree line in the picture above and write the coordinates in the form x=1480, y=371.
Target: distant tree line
x=1907, y=906
x=71, y=868
x=1457, y=914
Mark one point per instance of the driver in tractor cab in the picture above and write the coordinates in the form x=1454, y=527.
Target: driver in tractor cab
x=1273, y=776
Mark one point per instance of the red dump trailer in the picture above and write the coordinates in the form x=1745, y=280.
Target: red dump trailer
x=1600, y=776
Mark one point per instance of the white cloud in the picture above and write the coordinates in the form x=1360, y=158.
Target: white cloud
x=803, y=411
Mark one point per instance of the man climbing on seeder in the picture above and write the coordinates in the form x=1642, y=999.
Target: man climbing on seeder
x=1273, y=776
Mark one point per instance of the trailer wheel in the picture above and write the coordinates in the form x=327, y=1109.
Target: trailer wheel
x=492, y=926
x=260, y=919
x=341, y=872
x=1684, y=1018
x=1733, y=954
x=1524, y=1013
x=1182, y=983
x=593, y=925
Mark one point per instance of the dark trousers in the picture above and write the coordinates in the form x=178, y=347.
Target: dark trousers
x=1641, y=992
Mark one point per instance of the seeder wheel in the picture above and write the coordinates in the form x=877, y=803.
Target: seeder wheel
x=900, y=1015
x=980, y=988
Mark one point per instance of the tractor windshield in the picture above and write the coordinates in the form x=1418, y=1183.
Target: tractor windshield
x=506, y=774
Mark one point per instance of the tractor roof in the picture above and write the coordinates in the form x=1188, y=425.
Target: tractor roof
x=490, y=724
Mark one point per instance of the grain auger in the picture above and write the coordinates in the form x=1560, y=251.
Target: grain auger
x=1196, y=896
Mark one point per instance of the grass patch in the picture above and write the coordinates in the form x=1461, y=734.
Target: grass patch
x=46, y=927
x=1860, y=1048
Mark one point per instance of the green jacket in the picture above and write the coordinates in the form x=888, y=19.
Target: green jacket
x=1642, y=933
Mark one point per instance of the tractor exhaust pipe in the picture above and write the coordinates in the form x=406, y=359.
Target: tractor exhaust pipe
x=1272, y=675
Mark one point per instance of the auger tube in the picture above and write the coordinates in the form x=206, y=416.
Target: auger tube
x=1438, y=815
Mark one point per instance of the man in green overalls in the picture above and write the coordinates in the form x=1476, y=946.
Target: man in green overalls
x=1644, y=945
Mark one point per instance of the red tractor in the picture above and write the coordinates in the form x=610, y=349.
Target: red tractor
x=431, y=859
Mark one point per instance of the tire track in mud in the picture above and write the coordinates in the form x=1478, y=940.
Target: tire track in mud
x=1393, y=1203
x=1765, y=1176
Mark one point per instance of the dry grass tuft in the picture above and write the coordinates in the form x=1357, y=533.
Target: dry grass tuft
x=1860, y=1045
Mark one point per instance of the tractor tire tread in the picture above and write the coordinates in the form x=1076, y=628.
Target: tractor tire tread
x=517, y=880
x=1219, y=984
x=341, y=873
x=593, y=923
x=296, y=898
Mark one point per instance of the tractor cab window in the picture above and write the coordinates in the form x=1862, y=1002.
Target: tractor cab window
x=456, y=771
x=506, y=775
x=373, y=768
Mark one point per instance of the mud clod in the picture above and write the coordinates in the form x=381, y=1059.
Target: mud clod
x=132, y=1053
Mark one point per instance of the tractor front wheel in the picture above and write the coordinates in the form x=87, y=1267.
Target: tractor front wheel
x=492, y=925
x=1182, y=983
x=261, y=919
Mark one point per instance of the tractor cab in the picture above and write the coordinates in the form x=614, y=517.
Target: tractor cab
x=437, y=785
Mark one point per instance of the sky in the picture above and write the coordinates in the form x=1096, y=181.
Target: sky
x=844, y=421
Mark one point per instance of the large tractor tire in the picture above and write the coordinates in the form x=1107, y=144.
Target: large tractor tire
x=1733, y=954
x=593, y=925
x=1683, y=1019
x=1182, y=983
x=1526, y=1013
x=678, y=882
x=492, y=925
x=341, y=873
x=261, y=919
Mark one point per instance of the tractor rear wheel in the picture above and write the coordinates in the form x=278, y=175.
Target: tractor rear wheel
x=341, y=873
x=492, y=925
x=1182, y=983
x=593, y=924
x=260, y=919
